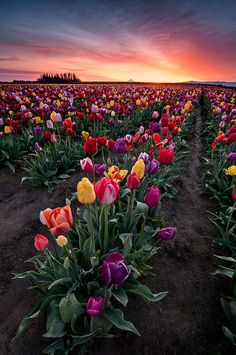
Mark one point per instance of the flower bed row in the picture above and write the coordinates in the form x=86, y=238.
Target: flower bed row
x=88, y=267
x=49, y=124
x=220, y=129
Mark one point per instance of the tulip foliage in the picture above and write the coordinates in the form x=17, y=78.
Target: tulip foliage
x=220, y=128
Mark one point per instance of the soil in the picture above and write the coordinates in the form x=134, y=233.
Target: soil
x=188, y=321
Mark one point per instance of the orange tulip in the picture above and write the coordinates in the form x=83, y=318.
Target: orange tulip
x=59, y=221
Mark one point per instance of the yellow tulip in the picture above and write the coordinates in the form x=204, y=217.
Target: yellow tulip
x=7, y=130
x=138, y=102
x=112, y=103
x=37, y=120
x=62, y=241
x=85, y=135
x=86, y=193
x=116, y=174
x=231, y=170
x=139, y=168
x=53, y=116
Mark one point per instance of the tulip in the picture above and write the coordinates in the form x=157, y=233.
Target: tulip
x=120, y=146
x=114, y=270
x=62, y=241
x=49, y=124
x=231, y=156
x=141, y=130
x=167, y=233
x=1, y=122
x=86, y=193
x=40, y=242
x=128, y=139
x=59, y=221
x=155, y=115
x=37, y=131
x=152, y=167
x=116, y=174
x=99, y=169
x=85, y=135
x=139, y=168
x=86, y=165
x=166, y=156
x=144, y=156
x=38, y=148
x=91, y=145
x=106, y=190
x=95, y=306
x=231, y=170
x=111, y=144
x=133, y=181
x=152, y=196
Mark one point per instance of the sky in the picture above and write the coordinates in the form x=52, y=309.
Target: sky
x=142, y=40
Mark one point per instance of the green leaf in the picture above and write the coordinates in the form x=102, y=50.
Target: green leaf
x=57, y=345
x=224, y=271
x=140, y=208
x=70, y=306
x=126, y=239
x=116, y=317
x=64, y=176
x=231, y=336
x=63, y=281
x=81, y=339
x=55, y=325
x=145, y=292
x=227, y=258
x=120, y=295
x=25, y=323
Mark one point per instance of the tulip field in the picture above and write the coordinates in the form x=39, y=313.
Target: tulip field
x=122, y=200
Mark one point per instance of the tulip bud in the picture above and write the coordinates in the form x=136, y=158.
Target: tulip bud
x=152, y=196
x=94, y=306
x=86, y=193
x=62, y=241
x=40, y=242
x=167, y=233
x=133, y=181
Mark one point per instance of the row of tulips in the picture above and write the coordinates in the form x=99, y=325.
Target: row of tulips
x=220, y=108
x=46, y=120
x=88, y=267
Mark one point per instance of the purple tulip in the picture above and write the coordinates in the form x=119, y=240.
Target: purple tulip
x=152, y=196
x=167, y=233
x=94, y=306
x=155, y=127
x=114, y=270
x=38, y=148
x=49, y=124
x=152, y=167
x=144, y=156
x=120, y=146
x=141, y=130
x=1, y=122
x=99, y=169
x=231, y=156
x=37, y=131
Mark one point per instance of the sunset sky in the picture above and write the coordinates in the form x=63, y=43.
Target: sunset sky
x=159, y=41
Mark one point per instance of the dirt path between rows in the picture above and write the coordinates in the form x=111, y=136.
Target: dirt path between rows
x=188, y=321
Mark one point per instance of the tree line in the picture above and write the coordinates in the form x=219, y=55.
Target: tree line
x=65, y=78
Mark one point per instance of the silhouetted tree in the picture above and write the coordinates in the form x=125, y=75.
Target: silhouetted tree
x=63, y=78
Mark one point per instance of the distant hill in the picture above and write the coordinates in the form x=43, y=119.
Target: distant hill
x=222, y=83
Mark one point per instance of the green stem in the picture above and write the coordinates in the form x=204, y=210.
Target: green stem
x=106, y=220
x=90, y=227
x=73, y=255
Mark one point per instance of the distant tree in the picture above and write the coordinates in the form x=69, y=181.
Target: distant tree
x=63, y=78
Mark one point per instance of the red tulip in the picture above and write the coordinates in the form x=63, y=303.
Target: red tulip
x=91, y=145
x=40, y=242
x=166, y=156
x=86, y=165
x=133, y=181
x=234, y=196
x=106, y=190
x=102, y=140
